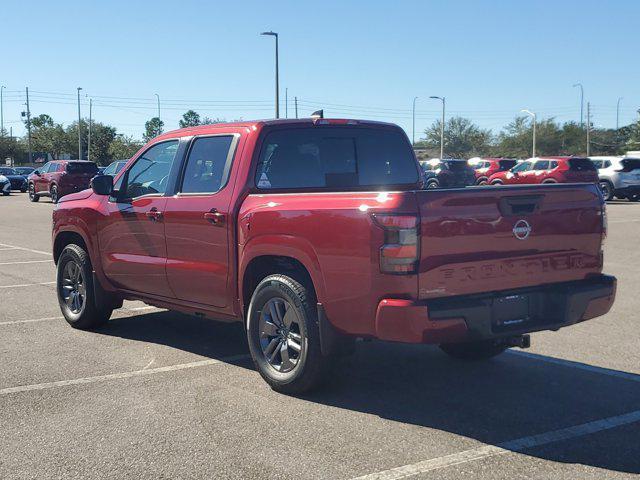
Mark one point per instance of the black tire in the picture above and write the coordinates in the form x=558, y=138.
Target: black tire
x=634, y=198
x=82, y=310
x=482, y=181
x=607, y=190
x=310, y=366
x=432, y=184
x=549, y=180
x=54, y=193
x=497, y=182
x=6, y=194
x=33, y=196
x=472, y=351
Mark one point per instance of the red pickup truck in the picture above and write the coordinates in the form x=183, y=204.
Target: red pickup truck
x=317, y=232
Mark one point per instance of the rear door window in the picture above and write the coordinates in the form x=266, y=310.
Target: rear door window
x=335, y=157
x=541, y=165
x=208, y=163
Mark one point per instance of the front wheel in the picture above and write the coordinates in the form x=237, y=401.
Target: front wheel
x=473, y=351
x=33, y=196
x=284, y=337
x=76, y=293
x=634, y=198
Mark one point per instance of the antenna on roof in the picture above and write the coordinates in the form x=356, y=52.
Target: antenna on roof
x=317, y=114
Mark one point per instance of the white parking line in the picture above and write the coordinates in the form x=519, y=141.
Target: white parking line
x=27, y=285
x=518, y=445
x=118, y=376
x=581, y=366
x=24, y=249
x=33, y=320
x=26, y=261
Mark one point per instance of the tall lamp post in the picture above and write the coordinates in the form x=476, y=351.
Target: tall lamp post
x=275, y=35
x=158, y=97
x=618, y=113
x=533, y=119
x=2, y=87
x=441, y=125
x=413, y=132
x=79, y=128
x=581, y=103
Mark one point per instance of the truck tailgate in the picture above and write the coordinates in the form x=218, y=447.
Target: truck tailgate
x=484, y=239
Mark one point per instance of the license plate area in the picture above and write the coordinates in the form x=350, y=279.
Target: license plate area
x=511, y=312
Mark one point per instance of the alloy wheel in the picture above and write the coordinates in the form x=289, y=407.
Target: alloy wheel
x=74, y=291
x=281, y=337
x=606, y=190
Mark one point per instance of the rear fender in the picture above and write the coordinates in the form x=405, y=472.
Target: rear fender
x=295, y=247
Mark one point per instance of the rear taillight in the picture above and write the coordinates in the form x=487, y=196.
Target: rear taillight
x=399, y=254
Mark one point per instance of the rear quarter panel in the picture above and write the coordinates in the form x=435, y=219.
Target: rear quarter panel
x=334, y=236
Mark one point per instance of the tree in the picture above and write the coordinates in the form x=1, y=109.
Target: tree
x=123, y=147
x=190, y=118
x=47, y=136
x=462, y=138
x=152, y=128
x=101, y=138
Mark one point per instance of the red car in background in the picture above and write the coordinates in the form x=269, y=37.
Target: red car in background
x=548, y=170
x=485, y=167
x=59, y=178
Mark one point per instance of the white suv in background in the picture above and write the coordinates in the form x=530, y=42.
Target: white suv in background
x=619, y=177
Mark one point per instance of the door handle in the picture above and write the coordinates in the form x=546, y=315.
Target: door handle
x=154, y=215
x=214, y=217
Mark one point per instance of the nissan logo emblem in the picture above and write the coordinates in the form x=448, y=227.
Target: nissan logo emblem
x=521, y=229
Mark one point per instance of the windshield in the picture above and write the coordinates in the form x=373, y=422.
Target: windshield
x=523, y=167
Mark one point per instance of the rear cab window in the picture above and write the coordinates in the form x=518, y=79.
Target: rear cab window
x=335, y=157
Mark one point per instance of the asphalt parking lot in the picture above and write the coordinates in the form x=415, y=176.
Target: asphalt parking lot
x=156, y=394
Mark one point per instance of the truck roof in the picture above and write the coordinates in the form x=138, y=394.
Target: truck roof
x=257, y=124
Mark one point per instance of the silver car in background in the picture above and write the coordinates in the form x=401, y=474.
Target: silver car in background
x=619, y=177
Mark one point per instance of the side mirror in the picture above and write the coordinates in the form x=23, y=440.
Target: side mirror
x=102, y=184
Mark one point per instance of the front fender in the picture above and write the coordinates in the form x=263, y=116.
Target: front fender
x=283, y=245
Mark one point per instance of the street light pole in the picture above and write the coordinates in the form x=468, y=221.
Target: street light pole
x=286, y=103
x=413, y=133
x=89, y=136
x=533, y=115
x=441, y=126
x=2, y=87
x=28, y=127
x=618, y=113
x=79, y=128
x=588, y=128
x=158, y=97
x=581, y=103
x=274, y=34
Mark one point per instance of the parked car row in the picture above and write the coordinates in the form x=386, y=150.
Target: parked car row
x=618, y=177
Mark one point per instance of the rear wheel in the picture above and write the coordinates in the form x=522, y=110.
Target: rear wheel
x=284, y=337
x=54, y=193
x=607, y=190
x=76, y=293
x=634, y=198
x=481, y=350
x=549, y=180
x=497, y=182
x=33, y=196
x=482, y=181
x=432, y=184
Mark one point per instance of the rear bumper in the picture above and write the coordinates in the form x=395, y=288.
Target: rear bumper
x=474, y=317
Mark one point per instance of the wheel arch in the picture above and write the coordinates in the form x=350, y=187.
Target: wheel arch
x=266, y=255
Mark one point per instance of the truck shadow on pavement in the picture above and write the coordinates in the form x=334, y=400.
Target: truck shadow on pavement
x=509, y=397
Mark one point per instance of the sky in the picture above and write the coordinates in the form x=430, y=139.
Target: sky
x=355, y=59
